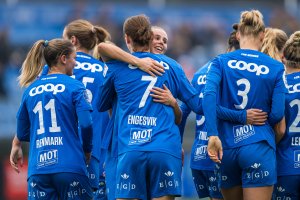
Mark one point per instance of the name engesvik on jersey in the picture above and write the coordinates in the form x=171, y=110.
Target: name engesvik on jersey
x=49, y=87
x=141, y=120
x=250, y=67
x=140, y=135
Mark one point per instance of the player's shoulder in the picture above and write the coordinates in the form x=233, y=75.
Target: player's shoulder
x=204, y=69
x=168, y=59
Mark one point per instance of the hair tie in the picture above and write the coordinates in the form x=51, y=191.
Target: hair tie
x=46, y=42
x=93, y=29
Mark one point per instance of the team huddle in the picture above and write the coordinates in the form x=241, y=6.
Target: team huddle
x=105, y=124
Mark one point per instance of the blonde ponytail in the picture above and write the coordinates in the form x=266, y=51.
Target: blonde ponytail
x=32, y=66
x=291, y=51
x=273, y=42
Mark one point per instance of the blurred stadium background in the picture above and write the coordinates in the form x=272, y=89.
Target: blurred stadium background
x=197, y=30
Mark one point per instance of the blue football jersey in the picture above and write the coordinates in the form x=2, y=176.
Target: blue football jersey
x=110, y=137
x=199, y=157
x=180, y=86
x=288, y=149
x=50, y=105
x=143, y=125
x=89, y=71
x=247, y=79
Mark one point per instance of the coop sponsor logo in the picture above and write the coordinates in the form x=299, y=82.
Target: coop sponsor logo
x=95, y=67
x=47, y=88
x=250, y=67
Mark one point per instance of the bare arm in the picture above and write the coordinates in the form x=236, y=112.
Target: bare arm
x=280, y=129
x=16, y=155
x=165, y=96
x=110, y=51
x=256, y=116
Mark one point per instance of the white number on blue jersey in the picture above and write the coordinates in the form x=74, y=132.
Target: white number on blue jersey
x=39, y=109
x=200, y=121
x=243, y=93
x=147, y=92
x=293, y=127
x=85, y=81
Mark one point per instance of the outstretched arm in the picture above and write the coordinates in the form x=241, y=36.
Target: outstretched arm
x=110, y=51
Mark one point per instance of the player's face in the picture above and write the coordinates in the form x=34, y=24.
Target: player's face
x=159, y=42
x=70, y=63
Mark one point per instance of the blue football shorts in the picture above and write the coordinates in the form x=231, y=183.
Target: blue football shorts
x=287, y=188
x=252, y=165
x=59, y=186
x=206, y=184
x=145, y=175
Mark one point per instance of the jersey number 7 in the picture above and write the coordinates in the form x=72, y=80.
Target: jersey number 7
x=147, y=92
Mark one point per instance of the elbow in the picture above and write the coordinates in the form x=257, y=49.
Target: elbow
x=101, y=48
x=279, y=132
x=178, y=121
x=103, y=107
x=87, y=124
x=276, y=116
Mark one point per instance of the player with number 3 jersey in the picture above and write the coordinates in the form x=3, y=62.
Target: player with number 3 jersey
x=246, y=78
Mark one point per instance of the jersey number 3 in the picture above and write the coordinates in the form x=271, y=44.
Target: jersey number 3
x=243, y=93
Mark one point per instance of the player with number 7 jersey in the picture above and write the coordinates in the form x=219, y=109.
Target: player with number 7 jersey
x=142, y=122
x=149, y=143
